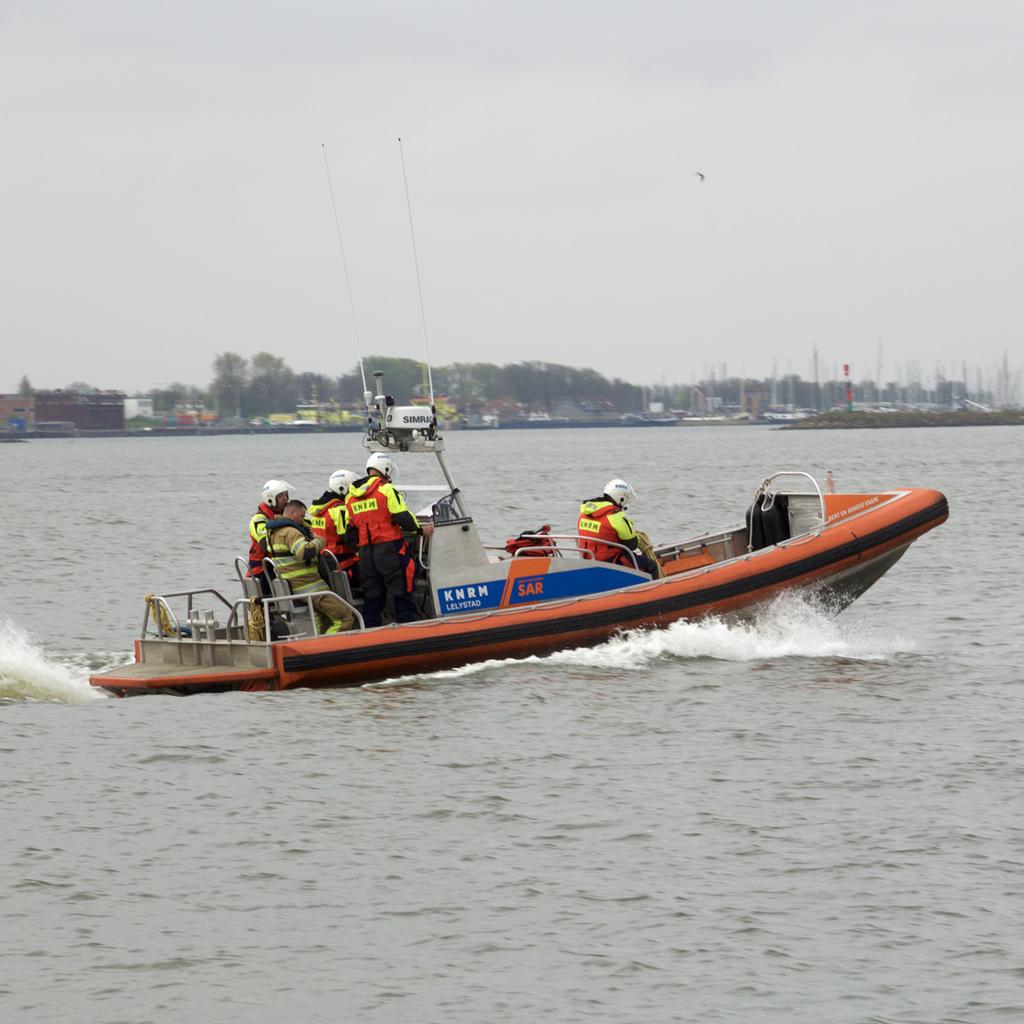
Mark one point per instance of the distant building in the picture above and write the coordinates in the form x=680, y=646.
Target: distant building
x=96, y=410
x=138, y=408
x=585, y=409
x=16, y=413
x=503, y=409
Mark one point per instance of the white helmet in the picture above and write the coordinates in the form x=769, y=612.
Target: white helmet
x=384, y=464
x=340, y=481
x=620, y=492
x=272, y=488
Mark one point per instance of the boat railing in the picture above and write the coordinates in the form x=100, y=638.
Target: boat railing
x=576, y=547
x=294, y=600
x=766, y=494
x=203, y=627
x=307, y=600
x=163, y=614
x=159, y=606
x=765, y=490
x=242, y=606
x=720, y=545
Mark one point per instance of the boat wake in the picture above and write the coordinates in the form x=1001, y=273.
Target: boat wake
x=791, y=626
x=27, y=673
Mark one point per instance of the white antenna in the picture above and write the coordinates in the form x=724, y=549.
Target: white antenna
x=878, y=373
x=817, y=381
x=344, y=264
x=419, y=285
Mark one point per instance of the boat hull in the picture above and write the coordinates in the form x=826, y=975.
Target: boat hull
x=838, y=562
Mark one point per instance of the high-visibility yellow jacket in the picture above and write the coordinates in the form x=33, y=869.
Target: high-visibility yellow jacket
x=603, y=524
x=258, y=538
x=377, y=512
x=328, y=521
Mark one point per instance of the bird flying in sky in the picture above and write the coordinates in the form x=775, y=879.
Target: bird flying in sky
x=699, y=175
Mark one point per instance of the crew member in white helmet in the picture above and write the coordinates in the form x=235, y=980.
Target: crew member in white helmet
x=377, y=516
x=273, y=498
x=607, y=531
x=327, y=520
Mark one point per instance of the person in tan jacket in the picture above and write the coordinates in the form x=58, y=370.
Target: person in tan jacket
x=291, y=544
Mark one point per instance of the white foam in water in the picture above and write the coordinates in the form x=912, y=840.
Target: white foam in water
x=789, y=627
x=26, y=673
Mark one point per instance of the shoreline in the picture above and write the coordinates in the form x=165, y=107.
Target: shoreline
x=359, y=428
x=861, y=420
x=837, y=420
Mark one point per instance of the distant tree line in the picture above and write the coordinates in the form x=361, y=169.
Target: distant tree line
x=265, y=384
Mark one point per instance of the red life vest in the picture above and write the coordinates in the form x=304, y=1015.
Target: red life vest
x=540, y=545
x=324, y=526
x=598, y=541
x=367, y=509
x=257, y=549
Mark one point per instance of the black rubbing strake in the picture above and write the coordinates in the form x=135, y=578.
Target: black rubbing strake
x=650, y=608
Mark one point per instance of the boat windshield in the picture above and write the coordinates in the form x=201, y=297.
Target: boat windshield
x=433, y=501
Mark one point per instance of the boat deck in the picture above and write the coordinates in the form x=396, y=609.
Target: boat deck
x=189, y=675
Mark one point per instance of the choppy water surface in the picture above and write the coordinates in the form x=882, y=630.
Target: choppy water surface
x=800, y=820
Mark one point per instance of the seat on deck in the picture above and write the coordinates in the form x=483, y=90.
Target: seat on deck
x=768, y=521
x=250, y=585
x=295, y=615
x=335, y=577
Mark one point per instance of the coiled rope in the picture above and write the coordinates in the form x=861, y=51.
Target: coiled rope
x=257, y=623
x=645, y=545
x=159, y=612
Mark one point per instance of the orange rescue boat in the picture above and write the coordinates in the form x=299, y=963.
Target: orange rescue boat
x=482, y=603
x=856, y=539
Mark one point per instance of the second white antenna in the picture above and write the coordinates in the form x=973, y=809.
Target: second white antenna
x=344, y=264
x=419, y=284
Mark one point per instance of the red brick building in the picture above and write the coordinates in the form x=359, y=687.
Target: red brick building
x=97, y=410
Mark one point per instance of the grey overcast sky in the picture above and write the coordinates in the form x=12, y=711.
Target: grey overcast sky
x=165, y=199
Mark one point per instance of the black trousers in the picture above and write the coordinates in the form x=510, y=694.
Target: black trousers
x=387, y=568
